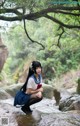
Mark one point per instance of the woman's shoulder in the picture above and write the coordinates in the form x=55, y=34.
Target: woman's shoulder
x=31, y=79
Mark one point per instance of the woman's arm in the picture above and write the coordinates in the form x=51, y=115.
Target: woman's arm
x=31, y=91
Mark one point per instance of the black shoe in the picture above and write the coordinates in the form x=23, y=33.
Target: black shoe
x=26, y=110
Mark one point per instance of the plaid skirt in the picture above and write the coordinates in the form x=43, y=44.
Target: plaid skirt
x=21, y=98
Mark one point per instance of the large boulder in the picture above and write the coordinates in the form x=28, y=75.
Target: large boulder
x=47, y=91
x=61, y=119
x=70, y=103
x=4, y=94
x=12, y=89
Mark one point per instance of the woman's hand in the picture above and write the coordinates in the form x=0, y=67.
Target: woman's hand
x=39, y=95
x=40, y=89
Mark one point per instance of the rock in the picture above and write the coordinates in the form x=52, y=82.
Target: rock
x=57, y=96
x=6, y=115
x=64, y=94
x=45, y=113
x=48, y=91
x=71, y=103
x=45, y=106
x=78, y=87
x=4, y=94
x=72, y=90
x=12, y=89
x=60, y=119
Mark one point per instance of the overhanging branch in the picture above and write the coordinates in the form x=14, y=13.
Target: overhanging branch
x=5, y=10
x=42, y=13
x=43, y=47
x=67, y=13
x=61, y=23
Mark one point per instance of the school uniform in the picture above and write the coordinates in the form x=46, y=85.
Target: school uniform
x=22, y=98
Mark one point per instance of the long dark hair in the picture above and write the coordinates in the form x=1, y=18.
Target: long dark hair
x=32, y=70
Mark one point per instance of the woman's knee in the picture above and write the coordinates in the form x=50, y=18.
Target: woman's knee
x=39, y=95
x=38, y=99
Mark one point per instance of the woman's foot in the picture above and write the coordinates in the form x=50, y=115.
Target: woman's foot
x=26, y=110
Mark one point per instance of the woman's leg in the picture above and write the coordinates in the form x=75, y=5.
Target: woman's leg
x=34, y=99
x=37, y=95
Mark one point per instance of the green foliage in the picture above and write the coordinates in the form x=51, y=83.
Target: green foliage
x=55, y=60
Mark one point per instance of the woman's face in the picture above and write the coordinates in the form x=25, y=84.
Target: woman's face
x=38, y=70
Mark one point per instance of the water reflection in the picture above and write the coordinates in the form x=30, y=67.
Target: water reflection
x=28, y=120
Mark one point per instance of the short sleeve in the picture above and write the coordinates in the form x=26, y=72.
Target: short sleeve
x=30, y=83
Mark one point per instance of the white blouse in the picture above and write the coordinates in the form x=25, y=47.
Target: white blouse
x=31, y=83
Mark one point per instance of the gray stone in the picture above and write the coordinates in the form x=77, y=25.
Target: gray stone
x=61, y=119
x=6, y=112
x=4, y=94
x=71, y=103
x=12, y=89
x=48, y=91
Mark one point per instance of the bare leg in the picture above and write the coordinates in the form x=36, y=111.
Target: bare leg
x=37, y=95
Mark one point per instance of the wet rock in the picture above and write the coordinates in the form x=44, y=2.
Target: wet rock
x=4, y=94
x=44, y=106
x=71, y=103
x=45, y=113
x=6, y=115
x=61, y=119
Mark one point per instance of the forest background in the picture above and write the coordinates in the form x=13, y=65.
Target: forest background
x=56, y=46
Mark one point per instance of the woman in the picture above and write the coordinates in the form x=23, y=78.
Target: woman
x=31, y=91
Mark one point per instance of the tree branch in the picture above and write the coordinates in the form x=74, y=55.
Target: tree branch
x=42, y=13
x=61, y=23
x=43, y=47
x=5, y=10
x=68, y=13
x=60, y=35
x=15, y=18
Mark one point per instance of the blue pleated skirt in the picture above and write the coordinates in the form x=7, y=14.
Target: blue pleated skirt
x=21, y=98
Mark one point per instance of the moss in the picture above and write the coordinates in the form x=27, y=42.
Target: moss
x=78, y=87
